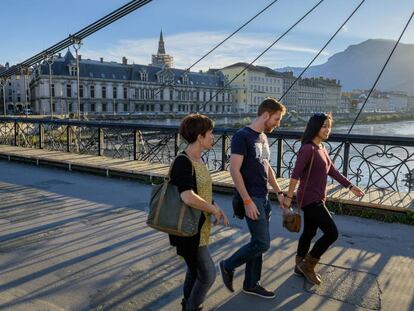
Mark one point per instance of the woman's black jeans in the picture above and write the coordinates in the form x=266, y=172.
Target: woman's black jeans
x=198, y=282
x=316, y=215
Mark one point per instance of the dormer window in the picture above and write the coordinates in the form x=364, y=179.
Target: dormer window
x=184, y=78
x=72, y=71
x=143, y=75
x=166, y=77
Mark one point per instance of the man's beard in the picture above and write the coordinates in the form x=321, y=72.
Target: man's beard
x=267, y=128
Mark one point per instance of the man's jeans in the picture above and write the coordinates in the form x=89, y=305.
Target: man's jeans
x=251, y=253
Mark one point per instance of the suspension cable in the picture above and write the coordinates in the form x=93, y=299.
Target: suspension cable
x=232, y=34
x=166, y=84
x=321, y=50
x=261, y=54
x=375, y=83
x=82, y=34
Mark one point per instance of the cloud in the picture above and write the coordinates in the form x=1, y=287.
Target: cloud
x=345, y=28
x=187, y=48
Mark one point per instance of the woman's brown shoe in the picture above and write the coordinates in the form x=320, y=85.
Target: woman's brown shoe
x=298, y=260
x=307, y=267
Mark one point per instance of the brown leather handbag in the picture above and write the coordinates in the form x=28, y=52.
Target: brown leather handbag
x=292, y=222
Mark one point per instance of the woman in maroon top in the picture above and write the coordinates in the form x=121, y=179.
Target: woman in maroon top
x=311, y=194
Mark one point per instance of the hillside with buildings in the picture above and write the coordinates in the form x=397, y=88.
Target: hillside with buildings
x=358, y=66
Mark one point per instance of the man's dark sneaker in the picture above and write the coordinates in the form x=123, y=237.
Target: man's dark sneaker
x=227, y=277
x=259, y=291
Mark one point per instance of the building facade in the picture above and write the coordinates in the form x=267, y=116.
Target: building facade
x=252, y=86
x=122, y=88
x=258, y=82
x=16, y=92
x=311, y=94
x=380, y=101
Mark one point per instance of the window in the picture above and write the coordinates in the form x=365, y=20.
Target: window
x=144, y=76
x=92, y=91
x=73, y=71
x=68, y=90
x=93, y=107
x=125, y=93
x=53, y=90
x=104, y=92
x=81, y=90
x=114, y=92
x=125, y=107
x=82, y=107
x=104, y=107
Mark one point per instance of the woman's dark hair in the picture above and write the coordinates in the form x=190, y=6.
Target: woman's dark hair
x=314, y=126
x=194, y=125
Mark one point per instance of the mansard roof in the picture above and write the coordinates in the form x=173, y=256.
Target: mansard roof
x=129, y=72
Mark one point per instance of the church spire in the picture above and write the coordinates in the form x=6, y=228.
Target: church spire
x=161, y=47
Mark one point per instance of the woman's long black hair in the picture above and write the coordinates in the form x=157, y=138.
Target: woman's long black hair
x=314, y=126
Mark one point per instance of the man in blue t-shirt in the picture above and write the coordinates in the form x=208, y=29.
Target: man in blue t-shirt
x=251, y=172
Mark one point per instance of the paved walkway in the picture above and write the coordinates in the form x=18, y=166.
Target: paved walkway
x=72, y=241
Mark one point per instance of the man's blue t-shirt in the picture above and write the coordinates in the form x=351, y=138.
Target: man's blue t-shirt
x=254, y=147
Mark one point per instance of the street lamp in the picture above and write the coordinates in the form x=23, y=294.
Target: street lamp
x=77, y=43
x=24, y=71
x=50, y=60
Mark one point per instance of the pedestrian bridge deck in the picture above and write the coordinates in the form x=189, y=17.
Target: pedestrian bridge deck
x=374, y=198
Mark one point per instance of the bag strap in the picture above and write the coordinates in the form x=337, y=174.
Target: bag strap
x=307, y=177
x=168, y=177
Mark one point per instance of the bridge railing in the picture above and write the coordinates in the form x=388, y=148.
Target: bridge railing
x=369, y=161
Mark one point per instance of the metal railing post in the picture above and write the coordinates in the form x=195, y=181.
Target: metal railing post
x=16, y=133
x=279, y=157
x=346, y=158
x=224, y=147
x=41, y=135
x=100, y=141
x=176, y=143
x=68, y=137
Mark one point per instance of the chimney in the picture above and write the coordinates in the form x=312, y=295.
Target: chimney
x=79, y=57
x=101, y=59
x=124, y=60
x=60, y=55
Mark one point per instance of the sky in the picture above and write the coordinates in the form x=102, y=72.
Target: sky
x=192, y=27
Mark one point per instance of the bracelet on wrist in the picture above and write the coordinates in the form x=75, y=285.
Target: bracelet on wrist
x=279, y=192
x=289, y=197
x=350, y=186
x=247, y=202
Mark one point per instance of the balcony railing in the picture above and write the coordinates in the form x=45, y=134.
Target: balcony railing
x=369, y=161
